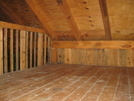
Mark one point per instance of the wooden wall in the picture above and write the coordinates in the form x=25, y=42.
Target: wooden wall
x=115, y=56
x=22, y=49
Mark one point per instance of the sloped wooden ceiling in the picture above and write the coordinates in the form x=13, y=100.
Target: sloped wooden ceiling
x=75, y=19
x=121, y=15
x=19, y=13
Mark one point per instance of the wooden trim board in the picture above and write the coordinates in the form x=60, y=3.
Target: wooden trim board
x=20, y=27
x=94, y=44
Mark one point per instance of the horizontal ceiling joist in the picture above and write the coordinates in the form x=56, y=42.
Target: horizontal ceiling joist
x=70, y=19
x=104, y=11
x=94, y=44
x=42, y=20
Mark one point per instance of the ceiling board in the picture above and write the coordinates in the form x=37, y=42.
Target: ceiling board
x=86, y=13
x=59, y=25
x=93, y=35
x=121, y=15
x=23, y=12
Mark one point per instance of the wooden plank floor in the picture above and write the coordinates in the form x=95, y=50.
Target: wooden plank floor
x=68, y=83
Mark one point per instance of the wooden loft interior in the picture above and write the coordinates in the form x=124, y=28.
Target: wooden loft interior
x=71, y=20
x=83, y=50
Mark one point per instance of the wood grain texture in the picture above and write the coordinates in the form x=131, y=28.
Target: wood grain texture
x=31, y=49
x=5, y=51
x=8, y=11
x=40, y=50
x=1, y=51
x=35, y=49
x=17, y=49
x=45, y=48
x=68, y=83
x=88, y=19
x=21, y=11
x=22, y=49
x=94, y=44
x=20, y=27
x=27, y=45
x=121, y=20
x=49, y=49
x=11, y=50
x=46, y=27
x=97, y=57
x=70, y=19
x=104, y=11
x=54, y=58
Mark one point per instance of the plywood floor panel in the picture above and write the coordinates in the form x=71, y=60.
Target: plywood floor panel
x=68, y=83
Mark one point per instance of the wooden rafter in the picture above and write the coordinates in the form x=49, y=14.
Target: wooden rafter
x=10, y=13
x=103, y=7
x=70, y=19
x=41, y=18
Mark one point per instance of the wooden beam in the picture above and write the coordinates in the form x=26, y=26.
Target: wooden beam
x=31, y=49
x=35, y=49
x=40, y=50
x=22, y=49
x=104, y=11
x=70, y=19
x=20, y=27
x=94, y=44
x=10, y=13
x=11, y=51
x=49, y=49
x=45, y=46
x=17, y=49
x=27, y=45
x=1, y=50
x=5, y=51
x=41, y=18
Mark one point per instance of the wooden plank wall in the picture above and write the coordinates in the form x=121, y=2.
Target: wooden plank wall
x=22, y=49
x=91, y=56
x=97, y=57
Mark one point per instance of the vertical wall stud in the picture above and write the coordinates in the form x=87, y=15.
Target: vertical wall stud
x=35, y=49
x=44, y=49
x=22, y=49
x=49, y=50
x=17, y=50
x=26, y=49
x=11, y=51
x=40, y=49
x=31, y=49
x=5, y=51
x=1, y=50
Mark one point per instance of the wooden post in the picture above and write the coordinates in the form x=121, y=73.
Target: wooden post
x=49, y=50
x=22, y=49
x=27, y=49
x=1, y=50
x=44, y=49
x=11, y=51
x=5, y=51
x=31, y=49
x=40, y=49
x=35, y=50
x=54, y=58
x=67, y=58
x=17, y=50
